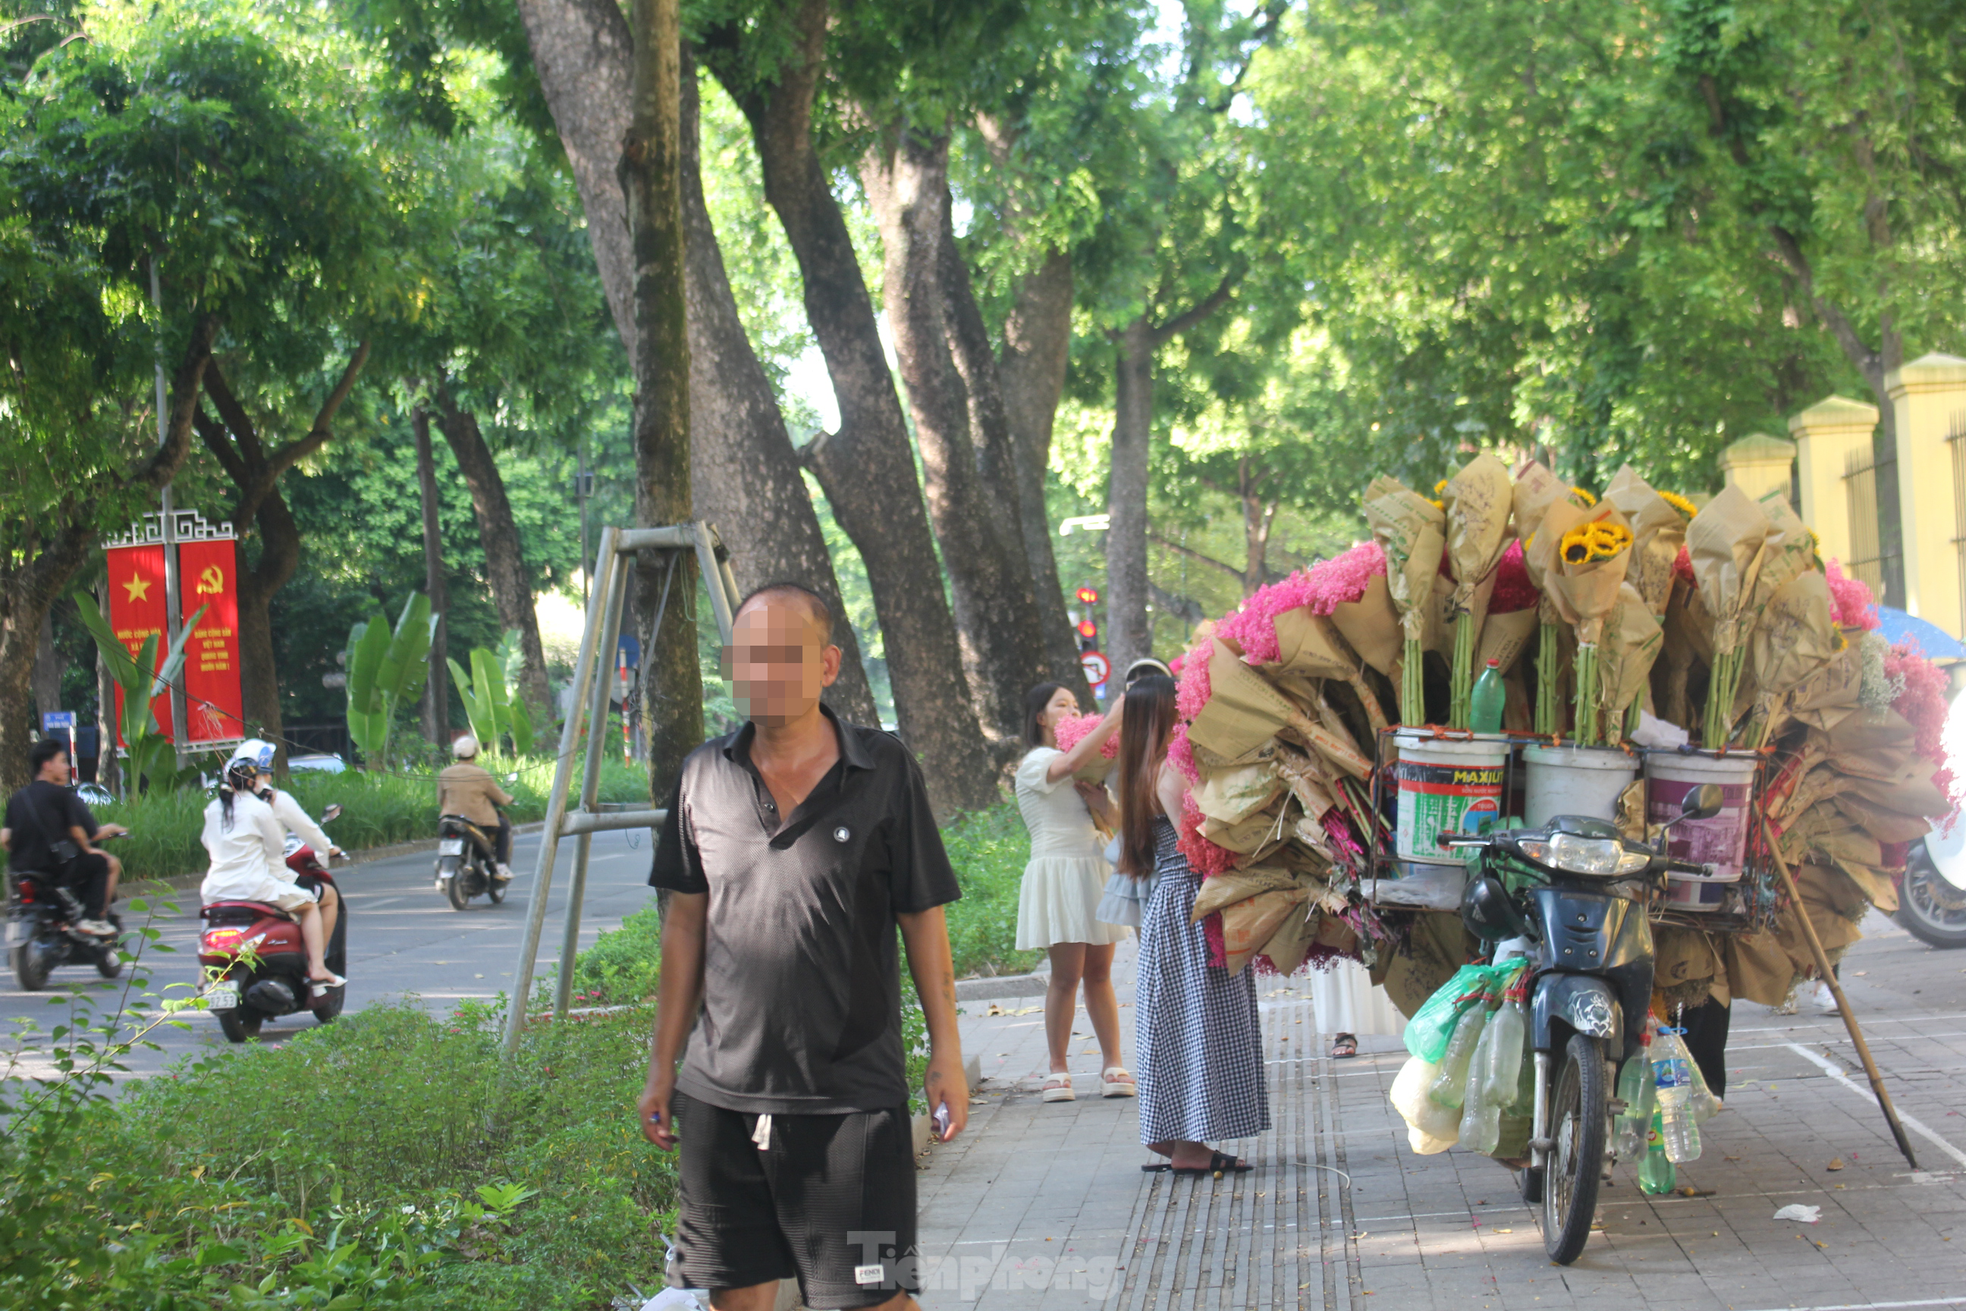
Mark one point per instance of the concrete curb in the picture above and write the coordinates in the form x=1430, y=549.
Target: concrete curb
x=1003, y=985
x=365, y=856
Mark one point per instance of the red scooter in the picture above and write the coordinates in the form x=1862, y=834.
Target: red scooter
x=264, y=962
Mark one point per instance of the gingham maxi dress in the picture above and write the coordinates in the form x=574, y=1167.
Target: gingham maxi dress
x=1198, y=1045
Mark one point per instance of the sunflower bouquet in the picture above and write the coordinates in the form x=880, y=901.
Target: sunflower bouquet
x=1583, y=553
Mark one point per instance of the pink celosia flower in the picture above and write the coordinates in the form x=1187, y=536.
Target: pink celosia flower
x=1253, y=627
x=1513, y=590
x=1193, y=692
x=1851, y=604
x=1923, y=705
x=1204, y=857
x=1682, y=566
x=1181, y=754
x=1071, y=730
x=1344, y=578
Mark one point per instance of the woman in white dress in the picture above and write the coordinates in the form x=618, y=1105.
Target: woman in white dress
x=1345, y=1003
x=1062, y=886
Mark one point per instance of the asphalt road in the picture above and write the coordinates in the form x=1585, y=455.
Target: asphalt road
x=404, y=940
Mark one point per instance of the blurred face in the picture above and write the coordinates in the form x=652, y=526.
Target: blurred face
x=778, y=661
x=56, y=770
x=1062, y=705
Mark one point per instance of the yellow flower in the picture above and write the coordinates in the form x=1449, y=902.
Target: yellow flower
x=1576, y=545
x=1840, y=642
x=1584, y=496
x=1679, y=503
x=1438, y=505
x=1440, y=487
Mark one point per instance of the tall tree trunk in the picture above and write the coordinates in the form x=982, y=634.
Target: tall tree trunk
x=744, y=473
x=1128, y=634
x=235, y=441
x=651, y=180
x=43, y=556
x=906, y=180
x=436, y=689
x=1037, y=346
x=47, y=668
x=1026, y=528
x=1257, y=516
x=867, y=467
x=743, y=470
x=505, y=566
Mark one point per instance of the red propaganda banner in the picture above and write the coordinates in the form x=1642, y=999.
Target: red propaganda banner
x=213, y=705
x=136, y=611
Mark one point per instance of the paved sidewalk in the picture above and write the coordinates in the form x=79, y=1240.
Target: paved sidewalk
x=1043, y=1205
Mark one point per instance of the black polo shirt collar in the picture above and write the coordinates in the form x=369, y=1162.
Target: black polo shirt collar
x=825, y=793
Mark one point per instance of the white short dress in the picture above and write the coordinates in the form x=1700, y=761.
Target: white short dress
x=1067, y=872
x=1343, y=1000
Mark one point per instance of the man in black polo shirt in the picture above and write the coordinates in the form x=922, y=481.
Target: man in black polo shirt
x=793, y=849
x=46, y=814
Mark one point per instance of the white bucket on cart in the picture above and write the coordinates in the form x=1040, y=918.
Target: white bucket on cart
x=1720, y=841
x=1446, y=785
x=1574, y=781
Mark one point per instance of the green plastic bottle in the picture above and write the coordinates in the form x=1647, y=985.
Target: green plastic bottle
x=1655, y=1173
x=1489, y=699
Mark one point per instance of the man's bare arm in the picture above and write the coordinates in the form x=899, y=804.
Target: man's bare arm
x=926, y=936
x=677, y=996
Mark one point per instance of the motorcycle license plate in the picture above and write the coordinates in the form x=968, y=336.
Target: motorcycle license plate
x=450, y=847
x=19, y=930
x=223, y=996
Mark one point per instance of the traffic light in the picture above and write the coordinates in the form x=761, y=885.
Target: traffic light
x=1088, y=596
x=1088, y=629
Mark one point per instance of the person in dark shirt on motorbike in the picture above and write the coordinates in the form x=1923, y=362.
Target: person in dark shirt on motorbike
x=48, y=831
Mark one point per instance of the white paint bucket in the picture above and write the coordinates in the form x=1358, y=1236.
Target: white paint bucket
x=1574, y=781
x=1446, y=785
x=1720, y=841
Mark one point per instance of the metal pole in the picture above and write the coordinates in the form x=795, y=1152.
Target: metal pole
x=173, y=621
x=556, y=806
x=590, y=788
x=713, y=578
x=1836, y=990
x=580, y=495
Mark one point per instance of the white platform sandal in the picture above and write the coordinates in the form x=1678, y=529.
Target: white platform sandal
x=1058, y=1088
x=1115, y=1081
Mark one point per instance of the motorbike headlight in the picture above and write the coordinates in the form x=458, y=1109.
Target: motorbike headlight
x=1601, y=857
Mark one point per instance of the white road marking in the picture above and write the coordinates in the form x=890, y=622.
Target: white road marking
x=1835, y=1071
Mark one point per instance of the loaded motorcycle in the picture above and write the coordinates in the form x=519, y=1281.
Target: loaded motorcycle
x=1572, y=897
x=41, y=932
x=464, y=863
x=259, y=957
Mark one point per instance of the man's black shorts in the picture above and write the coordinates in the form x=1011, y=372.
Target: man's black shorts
x=830, y=1200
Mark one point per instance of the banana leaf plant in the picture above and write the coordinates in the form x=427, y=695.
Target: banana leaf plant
x=385, y=669
x=153, y=759
x=489, y=704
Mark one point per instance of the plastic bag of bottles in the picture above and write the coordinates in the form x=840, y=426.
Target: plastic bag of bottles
x=1450, y=1086
x=1501, y=1053
x=1672, y=1079
x=1629, y=1130
x=1430, y=1127
x=1433, y=1025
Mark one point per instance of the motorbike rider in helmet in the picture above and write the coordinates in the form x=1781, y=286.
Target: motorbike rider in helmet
x=247, y=845
x=468, y=789
x=295, y=819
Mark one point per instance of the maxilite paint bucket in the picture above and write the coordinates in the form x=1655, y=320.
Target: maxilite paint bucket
x=1446, y=785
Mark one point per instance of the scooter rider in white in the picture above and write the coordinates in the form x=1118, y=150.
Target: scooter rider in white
x=295, y=819
x=246, y=840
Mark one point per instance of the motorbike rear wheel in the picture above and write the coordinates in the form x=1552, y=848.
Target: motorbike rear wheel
x=109, y=963
x=1931, y=910
x=330, y=1005
x=32, y=965
x=454, y=888
x=1579, y=1108
x=495, y=891
x=239, y=1023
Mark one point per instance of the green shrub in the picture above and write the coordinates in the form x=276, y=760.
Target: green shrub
x=989, y=849
x=377, y=809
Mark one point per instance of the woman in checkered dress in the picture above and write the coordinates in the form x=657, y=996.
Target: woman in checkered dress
x=1198, y=1044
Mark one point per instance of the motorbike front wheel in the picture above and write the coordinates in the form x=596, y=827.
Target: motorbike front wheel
x=1932, y=910
x=1579, y=1108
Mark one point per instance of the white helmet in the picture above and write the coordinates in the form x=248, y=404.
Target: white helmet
x=465, y=747
x=251, y=753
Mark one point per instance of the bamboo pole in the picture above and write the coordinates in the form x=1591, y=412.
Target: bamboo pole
x=1836, y=990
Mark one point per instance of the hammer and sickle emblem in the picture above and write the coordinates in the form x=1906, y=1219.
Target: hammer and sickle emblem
x=211, y=582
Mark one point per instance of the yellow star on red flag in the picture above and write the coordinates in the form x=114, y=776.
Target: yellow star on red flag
x=138, y=587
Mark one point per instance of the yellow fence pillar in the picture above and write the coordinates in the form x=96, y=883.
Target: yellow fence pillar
x=1928, y=402
x=1758, y=464
x=1825, y=436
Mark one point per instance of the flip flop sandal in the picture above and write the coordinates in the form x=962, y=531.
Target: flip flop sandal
x=1218, y=1165
x=1058, y=1088
x=1115, y=1081
x=1344, y=1048
x=1158, y=1167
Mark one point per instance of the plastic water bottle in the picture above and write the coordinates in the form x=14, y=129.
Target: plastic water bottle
x=1490, y=696
x=1450, y=1086
x=1704, y=1104
x=1635, y=1091
x=1672, y=1076
x=1655, y=1173
x=1501, y=1064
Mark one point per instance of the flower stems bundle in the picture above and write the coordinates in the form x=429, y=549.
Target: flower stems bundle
x=1477, y=503
x=1412, y=684
x=1721, y=686
x=1587, y=730
x=1411, y=531
x=1460, y=707
x=1549, y=680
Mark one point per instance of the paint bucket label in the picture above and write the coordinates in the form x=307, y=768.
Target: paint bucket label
x=1436, y=799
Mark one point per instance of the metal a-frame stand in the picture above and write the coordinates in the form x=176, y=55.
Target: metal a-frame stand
x=614, y=560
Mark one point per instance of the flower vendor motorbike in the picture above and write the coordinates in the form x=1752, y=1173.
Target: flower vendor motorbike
x=464, y=862
x=260, y=958
x=1572, y=896
x=1932, y=890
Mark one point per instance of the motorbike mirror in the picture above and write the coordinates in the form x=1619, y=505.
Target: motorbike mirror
x=1703, y=802
x=331, y=813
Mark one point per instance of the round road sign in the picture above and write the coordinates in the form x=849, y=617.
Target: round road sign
x=1097, y=667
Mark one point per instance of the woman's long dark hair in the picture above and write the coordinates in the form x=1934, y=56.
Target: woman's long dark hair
x=1146, y=724
x=1035, y=701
